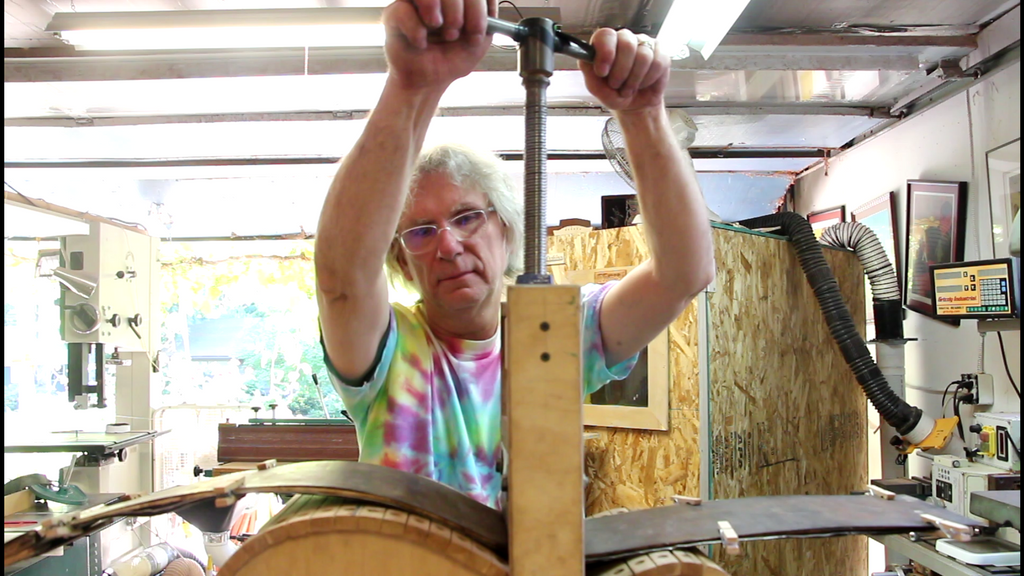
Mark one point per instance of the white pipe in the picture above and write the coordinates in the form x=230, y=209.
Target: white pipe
x=150, y=561
x=890, y=357
x=219, y=546
x=924, y=427
x=891, y=360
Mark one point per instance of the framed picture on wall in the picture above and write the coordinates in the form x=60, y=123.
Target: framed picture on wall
x=824, y=218
x=936, y=220
x=639, y=401
x=1003, y=194
x=879, y=215
x=619, y=210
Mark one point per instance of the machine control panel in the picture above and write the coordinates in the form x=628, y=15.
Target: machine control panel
x=982, y=289
x=954, y=479
x=998, y=439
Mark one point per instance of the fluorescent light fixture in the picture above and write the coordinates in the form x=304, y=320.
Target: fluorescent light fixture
x=239, y=37
x=217, y=29
x=224, y=29
x=698, y=25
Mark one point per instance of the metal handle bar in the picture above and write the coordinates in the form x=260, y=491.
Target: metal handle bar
x=563, y=43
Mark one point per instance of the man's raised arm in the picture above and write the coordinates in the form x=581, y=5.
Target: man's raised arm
x=366, y=198
x=629, y=75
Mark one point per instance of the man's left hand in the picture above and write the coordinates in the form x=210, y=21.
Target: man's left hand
x=629, y=72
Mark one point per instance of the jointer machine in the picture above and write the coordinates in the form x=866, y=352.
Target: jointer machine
x=359, y=519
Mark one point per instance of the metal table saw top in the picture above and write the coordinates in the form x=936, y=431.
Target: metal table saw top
x=997, y=505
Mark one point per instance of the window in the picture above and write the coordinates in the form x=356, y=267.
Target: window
x=240, y=327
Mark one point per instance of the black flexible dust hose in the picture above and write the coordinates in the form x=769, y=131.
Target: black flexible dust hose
x=896, y=412
x=885, y=288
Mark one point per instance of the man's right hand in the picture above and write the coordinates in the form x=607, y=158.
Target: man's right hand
x=432, y=43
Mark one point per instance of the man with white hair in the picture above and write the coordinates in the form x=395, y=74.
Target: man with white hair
x=423, y=383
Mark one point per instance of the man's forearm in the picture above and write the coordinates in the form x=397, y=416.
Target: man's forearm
x=673, y=208
x=366, y=198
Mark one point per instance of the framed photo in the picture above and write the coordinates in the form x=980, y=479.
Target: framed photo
x=640, y=401
x=1003, y=193
x=824, y=218
x=936, y=220
x=879, y=215
x=619, y=210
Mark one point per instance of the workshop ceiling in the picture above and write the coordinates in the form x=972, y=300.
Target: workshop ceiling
x=884, y=13
x=793, y=82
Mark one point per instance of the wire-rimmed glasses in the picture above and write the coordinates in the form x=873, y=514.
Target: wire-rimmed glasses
x=420, y=239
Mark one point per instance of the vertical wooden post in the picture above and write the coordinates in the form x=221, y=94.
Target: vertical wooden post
x=545, y=430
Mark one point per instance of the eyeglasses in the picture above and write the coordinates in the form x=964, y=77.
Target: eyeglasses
x=420, y=239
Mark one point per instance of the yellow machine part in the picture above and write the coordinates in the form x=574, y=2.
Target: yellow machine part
x=938, y=438
x=987, y=441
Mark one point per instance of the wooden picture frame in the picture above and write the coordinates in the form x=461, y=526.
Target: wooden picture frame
x=934, y=234
x=652, y=370
x=570, y=226
x=879, y=214
x=822, y=219
x=1003, y=165
x=619, y=210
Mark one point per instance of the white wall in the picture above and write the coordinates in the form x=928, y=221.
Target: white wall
x=947, y=142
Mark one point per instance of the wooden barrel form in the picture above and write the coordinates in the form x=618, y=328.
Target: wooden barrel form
x=320, y=535
x=663, y=563
x=314, y=535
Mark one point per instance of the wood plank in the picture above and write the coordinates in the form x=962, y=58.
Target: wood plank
x=17, y=502
x=286, y=443
x=802, y=517
x=545, y=422
x=232, y=467
x=367, y=483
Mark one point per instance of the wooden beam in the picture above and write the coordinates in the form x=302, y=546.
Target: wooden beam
x=286, y=443
x=17, y=502
x=811, y=50
x=545, y=430
x=38, y=204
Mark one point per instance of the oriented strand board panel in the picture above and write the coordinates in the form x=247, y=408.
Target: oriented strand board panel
x=636, y=468
x=787, y=415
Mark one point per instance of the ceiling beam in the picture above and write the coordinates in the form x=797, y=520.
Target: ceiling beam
x=995, y=43
x=995, y=38
x=696, y=152
x=811, y=51
x=696, y=109
x=998, y=49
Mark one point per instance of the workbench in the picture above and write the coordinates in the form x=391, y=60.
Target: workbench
x=84, y=557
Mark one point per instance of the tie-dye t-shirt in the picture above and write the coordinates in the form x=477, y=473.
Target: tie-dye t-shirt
x=433, y=407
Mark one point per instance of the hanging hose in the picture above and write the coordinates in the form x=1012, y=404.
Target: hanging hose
x=896, y=412
x=185, y=553
x=885, y=289
x=145, y=562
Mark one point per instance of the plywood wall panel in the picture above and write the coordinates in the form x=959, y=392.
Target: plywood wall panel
x=786, y=414
x=636, y=468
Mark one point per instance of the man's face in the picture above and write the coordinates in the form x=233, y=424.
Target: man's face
x=454, y=275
